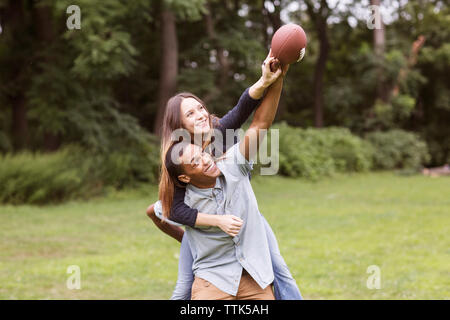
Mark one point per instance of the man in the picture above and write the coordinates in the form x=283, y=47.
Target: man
x=227, y=267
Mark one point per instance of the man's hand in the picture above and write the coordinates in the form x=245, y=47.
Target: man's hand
x=151, y=210
x=284, y=69
x=229, y=224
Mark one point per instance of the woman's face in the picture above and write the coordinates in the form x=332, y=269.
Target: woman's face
x=194, y=116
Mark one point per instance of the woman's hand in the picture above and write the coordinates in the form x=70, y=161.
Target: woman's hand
x=268, y=77
x=230, y=224
x=173, y=231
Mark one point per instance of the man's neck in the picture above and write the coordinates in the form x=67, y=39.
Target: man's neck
x=204, y=185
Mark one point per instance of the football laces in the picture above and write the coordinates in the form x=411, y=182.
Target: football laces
x=302, y=54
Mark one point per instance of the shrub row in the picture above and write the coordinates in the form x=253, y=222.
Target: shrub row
x=308, y=153
x=313, y=153
x=398, y=149
x=71, y=172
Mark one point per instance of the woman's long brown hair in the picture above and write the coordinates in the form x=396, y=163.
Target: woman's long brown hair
x=171, y=122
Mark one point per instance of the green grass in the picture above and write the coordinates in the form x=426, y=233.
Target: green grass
x=329, y=232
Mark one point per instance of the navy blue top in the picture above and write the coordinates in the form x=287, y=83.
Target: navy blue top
x=234, y=119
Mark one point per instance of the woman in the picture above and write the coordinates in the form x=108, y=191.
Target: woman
x=188, y=111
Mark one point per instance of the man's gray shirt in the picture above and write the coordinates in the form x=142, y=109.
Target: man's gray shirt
x=218, y=257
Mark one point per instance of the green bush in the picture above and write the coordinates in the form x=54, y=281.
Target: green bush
x=127, y=166
x=313, y=153
x=71, y=172
x=398, y=149
x=349, y=152
x=35, y=178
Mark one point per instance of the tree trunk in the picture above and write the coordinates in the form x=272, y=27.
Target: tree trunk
x=43, y=19
x=319, y=18
x=379, y=48
x=19, y=127
x=378, y=34
x=319, y=73
x=15, y=21
x=168, y=65
x=274, y=19
x=265, y=25
x=221, y=57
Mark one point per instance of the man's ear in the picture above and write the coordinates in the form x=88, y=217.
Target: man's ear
x=184, y=178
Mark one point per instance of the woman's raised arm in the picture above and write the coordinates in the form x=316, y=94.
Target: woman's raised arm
x=249, y=101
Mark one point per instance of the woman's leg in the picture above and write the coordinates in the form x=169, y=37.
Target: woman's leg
x=185, y=275
x=284, y=285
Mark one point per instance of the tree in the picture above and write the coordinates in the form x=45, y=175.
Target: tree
x=168, y=64
x=43, y=21
x=14, y=24
x=379, y=49
x=319, y=13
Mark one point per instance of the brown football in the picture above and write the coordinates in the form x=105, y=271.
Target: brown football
x=288, y=43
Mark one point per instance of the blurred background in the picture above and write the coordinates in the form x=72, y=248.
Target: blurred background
x=361, y=118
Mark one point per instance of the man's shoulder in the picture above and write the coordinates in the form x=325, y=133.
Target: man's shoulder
x=234, y=163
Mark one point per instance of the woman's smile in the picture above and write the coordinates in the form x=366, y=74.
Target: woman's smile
x=203, y=123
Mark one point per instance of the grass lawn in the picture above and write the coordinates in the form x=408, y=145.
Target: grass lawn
x=329, y=233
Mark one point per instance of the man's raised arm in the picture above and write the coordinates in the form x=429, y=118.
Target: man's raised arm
x=264, y=116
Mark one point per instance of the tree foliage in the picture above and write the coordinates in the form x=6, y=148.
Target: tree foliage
x=98, y=86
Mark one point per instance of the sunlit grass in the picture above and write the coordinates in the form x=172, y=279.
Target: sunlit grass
x=329, y=232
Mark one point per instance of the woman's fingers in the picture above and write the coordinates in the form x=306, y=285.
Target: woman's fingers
x=237, y=219
x=269, y=62
x=232, y=233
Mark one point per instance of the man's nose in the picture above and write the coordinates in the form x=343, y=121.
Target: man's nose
x=205, y=159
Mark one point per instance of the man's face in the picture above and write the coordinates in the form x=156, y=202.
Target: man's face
x=198, y=167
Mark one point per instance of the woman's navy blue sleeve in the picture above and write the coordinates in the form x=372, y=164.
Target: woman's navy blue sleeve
x=180, y=211
x=236, y=117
